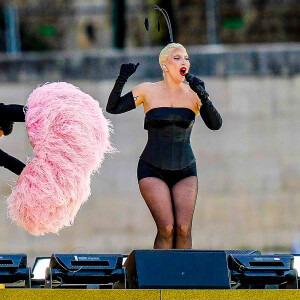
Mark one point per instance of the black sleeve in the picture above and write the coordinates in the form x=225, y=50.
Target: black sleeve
x=6, y=126
x=11, y=163
x=117, y=104
x=12, y=112
x=210, y=115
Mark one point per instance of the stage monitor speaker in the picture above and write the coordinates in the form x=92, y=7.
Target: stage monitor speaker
x=177, y=269
x=259, y=271
x=84, y=269
x=13, y=269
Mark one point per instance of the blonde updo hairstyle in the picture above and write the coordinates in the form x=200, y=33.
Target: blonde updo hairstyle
x=165, y=52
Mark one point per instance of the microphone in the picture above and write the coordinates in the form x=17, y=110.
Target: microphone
x=188, y=77
x=198, y=88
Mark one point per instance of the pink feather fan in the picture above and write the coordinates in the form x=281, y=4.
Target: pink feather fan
x=70, y=137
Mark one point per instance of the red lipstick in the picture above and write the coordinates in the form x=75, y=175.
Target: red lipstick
x=182, y=71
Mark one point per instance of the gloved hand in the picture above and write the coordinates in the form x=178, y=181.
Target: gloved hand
x=127, y=70
x=6, y=127
x=197, y=85
x=117, y=104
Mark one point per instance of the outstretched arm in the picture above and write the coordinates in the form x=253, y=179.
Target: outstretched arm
x=11, y=163
x=208, y=112
x=12, y=112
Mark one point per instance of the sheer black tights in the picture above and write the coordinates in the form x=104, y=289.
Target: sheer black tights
x=172, y=210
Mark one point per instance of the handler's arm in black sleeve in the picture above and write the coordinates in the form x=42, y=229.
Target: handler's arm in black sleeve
x=117, y=104
x=11, y=163
x=12, y=112
x=208, y=112
x=9, y=114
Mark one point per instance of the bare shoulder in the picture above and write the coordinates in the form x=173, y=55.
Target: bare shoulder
x=143, y=86
x=141, y=89
x=139, y=92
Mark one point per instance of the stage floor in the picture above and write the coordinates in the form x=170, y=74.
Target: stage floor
x=148, y=294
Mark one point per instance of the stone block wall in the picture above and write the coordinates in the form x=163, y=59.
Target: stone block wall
x=249, y=174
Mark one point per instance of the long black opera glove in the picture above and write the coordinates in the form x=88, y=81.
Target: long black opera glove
x=208, y=112
x=11, y=163
x=8, y=115
x=117, y=104
x=210, y=115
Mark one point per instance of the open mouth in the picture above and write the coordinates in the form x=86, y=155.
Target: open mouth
x=182, y=71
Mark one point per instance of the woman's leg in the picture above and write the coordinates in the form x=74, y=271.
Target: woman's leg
x=157, y=196
x=184, y=195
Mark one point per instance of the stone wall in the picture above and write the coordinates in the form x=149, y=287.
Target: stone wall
x=217, y=60
x=249, y=174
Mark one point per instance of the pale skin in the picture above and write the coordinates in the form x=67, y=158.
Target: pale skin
x=171, y=91
x=172, y=209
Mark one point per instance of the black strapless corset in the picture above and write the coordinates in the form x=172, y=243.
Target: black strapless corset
x=169, y=131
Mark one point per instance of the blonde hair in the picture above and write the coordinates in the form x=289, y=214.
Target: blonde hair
x=164, y=53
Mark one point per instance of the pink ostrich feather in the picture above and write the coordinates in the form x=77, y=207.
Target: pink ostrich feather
x=70, y=136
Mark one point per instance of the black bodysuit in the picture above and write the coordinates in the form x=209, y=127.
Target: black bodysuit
x=169, y=131
x=168, y=154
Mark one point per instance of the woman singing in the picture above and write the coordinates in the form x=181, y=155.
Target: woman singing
x=167, y=173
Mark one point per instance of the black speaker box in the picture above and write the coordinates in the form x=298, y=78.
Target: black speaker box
x=178, y=269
